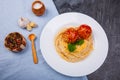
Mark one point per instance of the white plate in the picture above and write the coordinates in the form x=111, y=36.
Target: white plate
x=84, y=67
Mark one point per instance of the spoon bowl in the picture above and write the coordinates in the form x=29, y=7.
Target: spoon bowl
x=32, y=37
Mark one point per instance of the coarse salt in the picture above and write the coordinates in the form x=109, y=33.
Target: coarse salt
x=37, y=6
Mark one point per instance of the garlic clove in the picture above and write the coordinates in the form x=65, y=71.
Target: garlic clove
x=22, y=22
x=29, y=28
x=33, y=24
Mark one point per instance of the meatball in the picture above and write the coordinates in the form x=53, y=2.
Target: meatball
x=84, y=31
x=70, y=35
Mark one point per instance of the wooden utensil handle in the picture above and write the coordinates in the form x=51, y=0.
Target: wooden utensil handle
x=35, y=58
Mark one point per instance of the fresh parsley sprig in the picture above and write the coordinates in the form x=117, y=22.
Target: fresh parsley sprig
x=72, y=46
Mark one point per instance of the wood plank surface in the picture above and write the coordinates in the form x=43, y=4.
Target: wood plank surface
x=107, y=13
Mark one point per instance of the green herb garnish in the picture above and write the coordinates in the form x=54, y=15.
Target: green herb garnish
x=79, y=42
x=71, y=47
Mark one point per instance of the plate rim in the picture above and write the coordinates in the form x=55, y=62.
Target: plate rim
x=107, y=48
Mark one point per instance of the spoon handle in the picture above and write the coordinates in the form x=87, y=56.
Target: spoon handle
x=35, y=58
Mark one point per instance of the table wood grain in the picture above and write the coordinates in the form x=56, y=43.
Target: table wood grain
x=107, y=13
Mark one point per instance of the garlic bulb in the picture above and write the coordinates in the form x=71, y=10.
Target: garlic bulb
x=22, y=22
x=26, y=23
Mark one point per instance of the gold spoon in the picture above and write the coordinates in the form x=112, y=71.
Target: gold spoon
x=32, y=38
